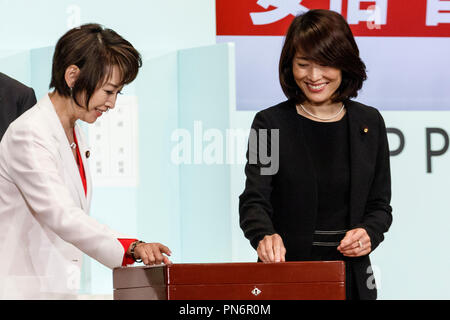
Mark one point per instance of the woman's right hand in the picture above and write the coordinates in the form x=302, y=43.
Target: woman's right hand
x=152, y=253
x=271, y=249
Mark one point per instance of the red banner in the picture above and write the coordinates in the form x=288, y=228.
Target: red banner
x=381, y=18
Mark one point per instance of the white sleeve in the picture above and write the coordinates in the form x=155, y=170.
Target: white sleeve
x=33, y=166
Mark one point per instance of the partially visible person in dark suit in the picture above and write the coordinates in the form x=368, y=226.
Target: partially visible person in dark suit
x=328, y=196
x=15, y=99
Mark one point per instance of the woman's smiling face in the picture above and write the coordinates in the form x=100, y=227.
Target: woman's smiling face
x=103, y=99
x=318, y=82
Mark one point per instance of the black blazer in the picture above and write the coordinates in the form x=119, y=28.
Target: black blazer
x=286, y=202
x=15, y=99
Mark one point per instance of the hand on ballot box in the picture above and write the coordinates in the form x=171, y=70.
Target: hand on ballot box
x=271, y=249
x=150, y=253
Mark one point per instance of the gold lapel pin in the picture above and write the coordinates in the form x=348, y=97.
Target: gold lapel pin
x=364, y=129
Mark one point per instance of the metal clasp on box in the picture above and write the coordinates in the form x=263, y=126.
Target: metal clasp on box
x=256, y=291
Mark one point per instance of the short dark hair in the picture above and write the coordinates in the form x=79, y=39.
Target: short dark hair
x=323, y=36
x=94, y=50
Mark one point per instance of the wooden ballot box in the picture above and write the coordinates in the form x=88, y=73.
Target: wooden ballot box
x=311, y=280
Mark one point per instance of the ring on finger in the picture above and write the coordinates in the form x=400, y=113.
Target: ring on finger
x=361, y=246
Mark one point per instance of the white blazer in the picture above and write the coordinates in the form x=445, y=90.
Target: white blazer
x=44, y=221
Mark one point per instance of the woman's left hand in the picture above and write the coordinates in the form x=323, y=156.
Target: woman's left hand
x=356, y=243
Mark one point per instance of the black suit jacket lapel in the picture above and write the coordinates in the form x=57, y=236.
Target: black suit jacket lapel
x=360, y=161
x=1, y=96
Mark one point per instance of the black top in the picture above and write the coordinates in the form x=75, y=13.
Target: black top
x=328, y=145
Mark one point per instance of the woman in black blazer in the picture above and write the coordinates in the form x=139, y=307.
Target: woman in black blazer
x=325, y=194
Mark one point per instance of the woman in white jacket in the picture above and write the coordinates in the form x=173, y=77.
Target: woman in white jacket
x=45, y=185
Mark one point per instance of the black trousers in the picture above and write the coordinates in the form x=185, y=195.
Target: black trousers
x=330, y=253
